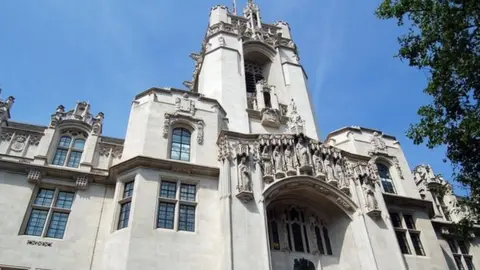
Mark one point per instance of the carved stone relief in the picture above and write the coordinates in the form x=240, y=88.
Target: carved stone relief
x=185, y=104
x=244, y=185
x=284, y=155
x=296, y=124
x=397, y=166
x=81, y=112
x=19, y=142
x=270, y=117
x=173, y=117
x=378, y=143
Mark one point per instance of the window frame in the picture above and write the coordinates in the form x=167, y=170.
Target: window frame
x=178, y=202
x=458, y=253
x=281, y=215
x=73, y=135
x=389, y=180
x=407, y=232
x=183, y=128
x=51, y=210
x=122, y=202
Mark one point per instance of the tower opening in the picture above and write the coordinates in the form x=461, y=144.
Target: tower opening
x=253, y=74
x=267, y=99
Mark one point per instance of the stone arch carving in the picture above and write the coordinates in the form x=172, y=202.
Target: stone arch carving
x=193, y=124
x=319, y=187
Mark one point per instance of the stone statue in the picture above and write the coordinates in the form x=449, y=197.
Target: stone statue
x=371, y=201
x=302, y=152
x=278, y=158
x=328, y=168
x=244, y=183
x=289, y=162
x=267, y=161
x=318, y=162
x=339, y=174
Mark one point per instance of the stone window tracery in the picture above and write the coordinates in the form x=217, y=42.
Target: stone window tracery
x=253, y=74
x=49, y=213
x=180, y=144
x=299, y=230
x=177, y=206
x=386, y=179
x=70, y=149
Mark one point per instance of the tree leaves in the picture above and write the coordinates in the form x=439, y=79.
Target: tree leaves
x=443, y=39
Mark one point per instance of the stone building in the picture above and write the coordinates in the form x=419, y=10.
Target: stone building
x=229, y=174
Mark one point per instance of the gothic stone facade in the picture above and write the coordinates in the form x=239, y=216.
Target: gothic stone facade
x=228, y=175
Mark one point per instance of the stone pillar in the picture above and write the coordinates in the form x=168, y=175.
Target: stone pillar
x=225, y=188
x=88, y=152
x=41, y=158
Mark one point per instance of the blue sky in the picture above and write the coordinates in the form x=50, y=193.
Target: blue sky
x=57, y=52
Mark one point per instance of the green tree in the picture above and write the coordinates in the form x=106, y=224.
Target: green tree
x=443, y=38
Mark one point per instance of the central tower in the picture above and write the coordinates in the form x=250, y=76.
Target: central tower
x=253, y=70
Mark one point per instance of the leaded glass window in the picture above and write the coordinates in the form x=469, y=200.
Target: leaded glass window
x=180, y=145
x=49, y=213
x=296, y=229
x=125, y=204
x=177, y=206
x=70, y=149
x=386, y=179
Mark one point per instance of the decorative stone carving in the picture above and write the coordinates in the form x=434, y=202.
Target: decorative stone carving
x=104, y=150
x=397, y=166
x=290, y=160
x=200, y=130
x=318, y=164
x=267, y=164
x=6, y=135
x=378, y=143
x=81, y=182
x=303, y=155
x=19, y=142
x=244, y=186
x=39, y=243
x=221, y=41
x=81, y=113
x=34, y=139
x=270, y=118
x=371, y=203
x=34, y=176
x=283, y=109
x=279, y=161
x=166, y=125
x=224, y=151
x=185, y=104
x=296, y=124
x=5, y=108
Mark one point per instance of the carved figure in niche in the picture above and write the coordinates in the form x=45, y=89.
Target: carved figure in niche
x=278, y=158
x=266, y=157
x=245, y=183
x=371, y=201
x=378, y=142
x=318, y=162
x=289, y=159
x=328, y=168
x=302, y=152
x=339, y=174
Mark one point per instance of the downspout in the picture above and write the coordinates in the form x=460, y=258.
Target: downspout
x=98, y=228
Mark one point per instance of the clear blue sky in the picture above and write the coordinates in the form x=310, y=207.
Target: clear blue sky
x=57, y=52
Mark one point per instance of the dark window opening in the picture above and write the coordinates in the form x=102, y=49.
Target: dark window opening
x=266, y=98
x=297, y=237
x=327, y=241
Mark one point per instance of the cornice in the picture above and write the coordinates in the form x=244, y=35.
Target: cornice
x=162, y=164
x=61, y=173
x=409, y=202
x=358, y=129
x=171, y=91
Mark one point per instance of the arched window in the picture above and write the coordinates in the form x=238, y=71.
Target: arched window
x=69, y=150
x=253, y=74
x=298, y=230
x=386, y=179
x=180, y=146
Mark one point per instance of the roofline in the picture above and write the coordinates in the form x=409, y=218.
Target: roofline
x=358, y=129
x=169, y=90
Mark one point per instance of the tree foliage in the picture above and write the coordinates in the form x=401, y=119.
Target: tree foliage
x=443, y=39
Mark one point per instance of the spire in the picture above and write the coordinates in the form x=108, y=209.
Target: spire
x=252, y=12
